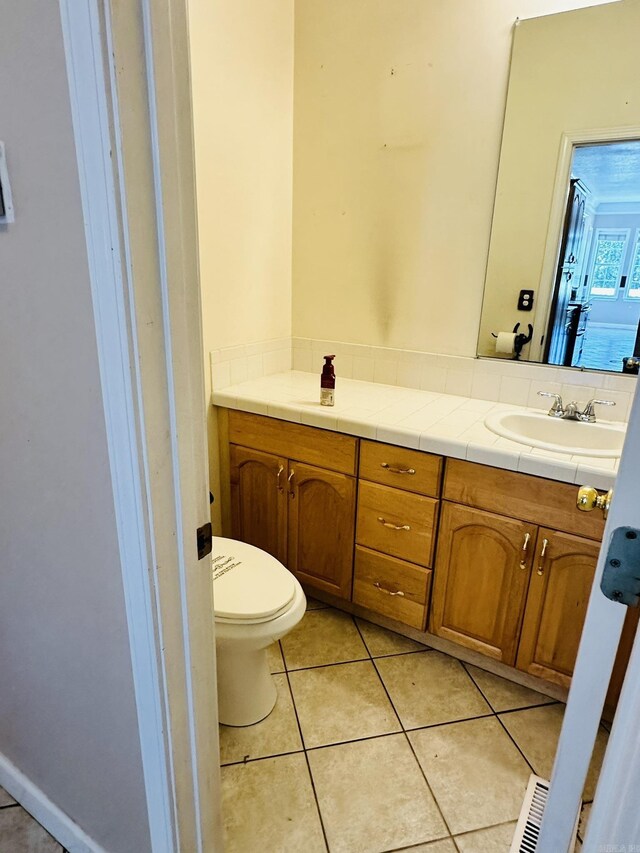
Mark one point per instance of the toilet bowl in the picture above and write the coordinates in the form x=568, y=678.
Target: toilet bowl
x=256, y=602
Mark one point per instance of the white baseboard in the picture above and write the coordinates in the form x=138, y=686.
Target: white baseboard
x=50, y=816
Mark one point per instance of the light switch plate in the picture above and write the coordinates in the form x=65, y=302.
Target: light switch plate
x=5, y=189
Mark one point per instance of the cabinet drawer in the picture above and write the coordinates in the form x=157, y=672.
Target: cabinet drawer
x=543, y=502
x=391, y=587
x=330, y=450
x=397, y=466
x=397, y=523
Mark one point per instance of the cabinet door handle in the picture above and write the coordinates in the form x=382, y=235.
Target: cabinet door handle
x=393, y=470
x=392, y=526
x=543, y=551
x=292, y=494
x=523, y=555
x=280, y=471
x=387, y=591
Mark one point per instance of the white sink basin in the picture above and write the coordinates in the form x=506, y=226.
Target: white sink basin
x=538, y=429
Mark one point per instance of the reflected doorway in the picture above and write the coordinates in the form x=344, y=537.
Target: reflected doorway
x=595, y=311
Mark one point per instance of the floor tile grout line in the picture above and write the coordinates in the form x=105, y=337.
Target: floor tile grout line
x=261, y=758
x=307, y=762
x=411, y=847
x=9, y=806
x=497, y=716
x=551, y=699
x=406, y=737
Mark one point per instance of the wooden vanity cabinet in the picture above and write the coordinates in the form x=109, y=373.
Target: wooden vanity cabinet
x=510, y=558
x=321, y=528
x=303, y=514
x=481, y=578
x=514, y=588
x=557, y=600
x=259, y=499
x=397, y=521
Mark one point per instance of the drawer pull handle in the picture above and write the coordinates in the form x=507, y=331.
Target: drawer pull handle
x=545, y=542
x=392, y=526
x=280, y=470
x=393, y=470
x=387, y=591
x=292, y=494
x=523, y=556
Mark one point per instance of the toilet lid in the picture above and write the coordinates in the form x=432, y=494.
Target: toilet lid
x=248, y=583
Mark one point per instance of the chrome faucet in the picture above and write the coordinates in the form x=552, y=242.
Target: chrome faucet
x=571, y=412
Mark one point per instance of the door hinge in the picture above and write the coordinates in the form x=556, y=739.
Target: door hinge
x=204, y=537
x=621, y=575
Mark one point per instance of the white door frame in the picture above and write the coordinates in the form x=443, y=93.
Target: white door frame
x=594, y=665
x=128, y=71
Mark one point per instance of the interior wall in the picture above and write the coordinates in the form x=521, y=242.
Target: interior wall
x=67, y=710
x=398, y=114
x=242, y=73
x=242, y=79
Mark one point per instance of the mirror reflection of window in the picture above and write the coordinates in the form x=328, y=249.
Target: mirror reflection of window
x=596, y=299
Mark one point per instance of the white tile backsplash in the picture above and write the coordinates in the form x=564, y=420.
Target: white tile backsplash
x=233, y=365
x=497, y=380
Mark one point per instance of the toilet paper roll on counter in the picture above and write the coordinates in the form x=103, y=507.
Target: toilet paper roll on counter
x=505, y=342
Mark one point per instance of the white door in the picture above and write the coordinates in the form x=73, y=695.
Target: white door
x=130, y=95
x=614, y=817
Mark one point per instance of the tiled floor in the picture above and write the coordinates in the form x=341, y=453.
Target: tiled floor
x=378, y=743
x=20, y=833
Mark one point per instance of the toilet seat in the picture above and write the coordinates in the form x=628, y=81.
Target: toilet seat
x=249, y=585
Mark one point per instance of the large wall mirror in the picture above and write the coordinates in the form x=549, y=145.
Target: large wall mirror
x=564, y=258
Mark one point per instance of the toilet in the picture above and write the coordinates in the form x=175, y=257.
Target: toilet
x=256, y=602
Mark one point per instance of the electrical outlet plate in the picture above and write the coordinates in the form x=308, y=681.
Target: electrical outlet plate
x=6, y=189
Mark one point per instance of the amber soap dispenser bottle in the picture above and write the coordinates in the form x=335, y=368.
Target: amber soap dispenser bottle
x=328, y=382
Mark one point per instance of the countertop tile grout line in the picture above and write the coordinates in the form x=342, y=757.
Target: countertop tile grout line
x=406, y=736
x=306, y=758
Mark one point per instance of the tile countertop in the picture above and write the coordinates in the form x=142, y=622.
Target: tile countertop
x=424, y=420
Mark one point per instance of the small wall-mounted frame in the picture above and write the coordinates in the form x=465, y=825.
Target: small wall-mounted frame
x=6, y=202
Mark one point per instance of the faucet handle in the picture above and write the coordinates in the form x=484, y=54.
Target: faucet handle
x=589, y=413
x=558, y=407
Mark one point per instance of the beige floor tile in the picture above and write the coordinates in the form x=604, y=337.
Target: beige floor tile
x=445, y=845
x=5, y=799
x=268, y=805
x=476, y=773
x=379, y=641
x=274, y=735
x=322, y=637
x=342, y=702
x=314, y=604
x=20, y=833
x=430, y=687
x=373, y=796
x=274, y=655
x=495, y=839
x=505, y=695
x=585, y=814
x=536, y=731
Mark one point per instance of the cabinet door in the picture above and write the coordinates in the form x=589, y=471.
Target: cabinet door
x=321, y=528
x=559, y=592
x=259, y=500
x=481, y=576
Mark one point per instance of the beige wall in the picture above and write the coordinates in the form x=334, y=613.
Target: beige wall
x=398, y=115
x=242, y=69
x=550, y=93
x=242, y=78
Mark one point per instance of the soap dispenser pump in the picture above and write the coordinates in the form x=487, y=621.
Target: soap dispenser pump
x=327, y=382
